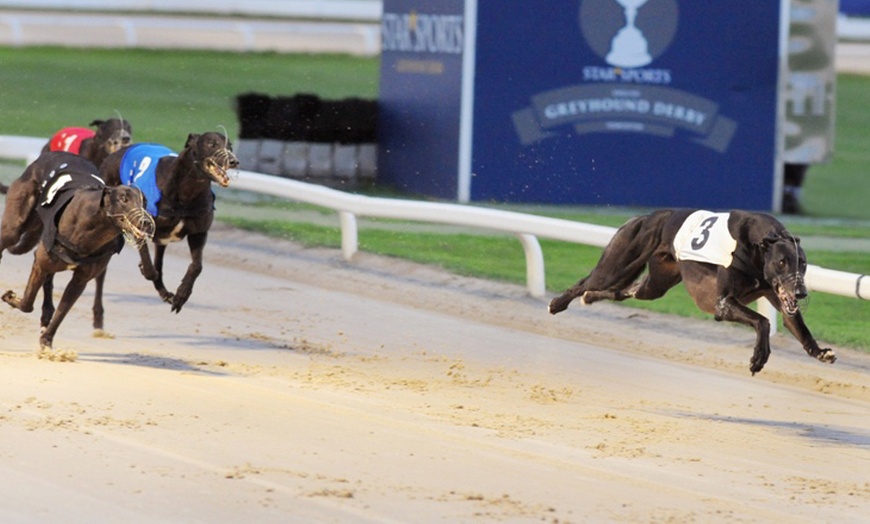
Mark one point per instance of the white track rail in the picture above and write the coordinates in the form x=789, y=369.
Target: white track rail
x=359, y=10
x=526, y=227
x=24, y=28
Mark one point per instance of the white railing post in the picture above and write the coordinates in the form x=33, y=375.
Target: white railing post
x=766, y=309
x=349, y=234
x=535, y=275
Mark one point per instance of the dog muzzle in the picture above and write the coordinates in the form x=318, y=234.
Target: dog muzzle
x=790, y=290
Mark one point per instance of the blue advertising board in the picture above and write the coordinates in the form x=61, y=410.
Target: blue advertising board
x=607, y=102
x=422, y=45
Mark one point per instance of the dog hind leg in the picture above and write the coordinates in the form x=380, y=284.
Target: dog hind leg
x=165, y=295
x=39, y=272
x=47, y=301
x=21, y=226
x=21, y=236
x=98, y=310
x=560, y=303
x=621, y=263
x=664, y=273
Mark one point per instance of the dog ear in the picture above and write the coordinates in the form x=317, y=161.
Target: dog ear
x=191, y=140
x=103, y=196
x=794, y=238
x=769, y=240
x=97, y=123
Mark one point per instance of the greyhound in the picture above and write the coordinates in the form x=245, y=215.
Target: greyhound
x=180, y=197
x=727, y=260
x=83, y=223
x=110, y=136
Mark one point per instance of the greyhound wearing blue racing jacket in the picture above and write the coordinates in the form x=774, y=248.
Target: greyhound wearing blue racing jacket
x=180, y=197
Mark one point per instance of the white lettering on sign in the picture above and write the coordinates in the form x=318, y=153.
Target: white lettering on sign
x=679, y=112
x=422, y=33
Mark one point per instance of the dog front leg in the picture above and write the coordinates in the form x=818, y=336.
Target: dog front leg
x=165, y=295
x=153, y=271
x=146, y=267
x=72, y=293
x=796, y=325
x=728, y=308
x=197, y=245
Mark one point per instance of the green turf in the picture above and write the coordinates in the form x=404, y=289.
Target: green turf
x=165, y=94
x=168, y=94
x=840, y=188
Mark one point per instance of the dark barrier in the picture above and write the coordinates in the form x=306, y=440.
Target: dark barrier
x=332, y=142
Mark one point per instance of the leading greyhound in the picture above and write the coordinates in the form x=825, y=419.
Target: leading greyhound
x=726, y=260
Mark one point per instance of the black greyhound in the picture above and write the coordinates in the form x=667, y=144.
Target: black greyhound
x=180, y=197
x=110, y=136
x=82, y=222
x=757, y=257
x=22, y=227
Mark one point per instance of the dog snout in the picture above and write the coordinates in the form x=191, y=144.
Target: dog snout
x=233, y=161
x=800, y=292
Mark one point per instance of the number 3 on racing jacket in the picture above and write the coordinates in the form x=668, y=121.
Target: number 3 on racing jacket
x=139, y=169
x=704, y=237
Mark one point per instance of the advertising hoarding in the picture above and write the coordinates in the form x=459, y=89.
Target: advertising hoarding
x=604, y=102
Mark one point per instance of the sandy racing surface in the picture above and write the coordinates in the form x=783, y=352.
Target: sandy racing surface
x=294, y=387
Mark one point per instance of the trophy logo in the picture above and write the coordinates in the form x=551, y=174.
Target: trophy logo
x=629, y=47
x=629, y=34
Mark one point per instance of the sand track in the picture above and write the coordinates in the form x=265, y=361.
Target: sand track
x=296, y=387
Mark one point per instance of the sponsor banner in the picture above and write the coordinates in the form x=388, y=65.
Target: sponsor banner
x=627, y=102
x=420, y=94
x=648, y=103
x=643, y=109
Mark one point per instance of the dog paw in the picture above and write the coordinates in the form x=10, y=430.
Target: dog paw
x=177, y=303
x=827, y=355
x=100, y=333
x=755, y=366
x=557, y=305
x=10, y=298
x=167, y=297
